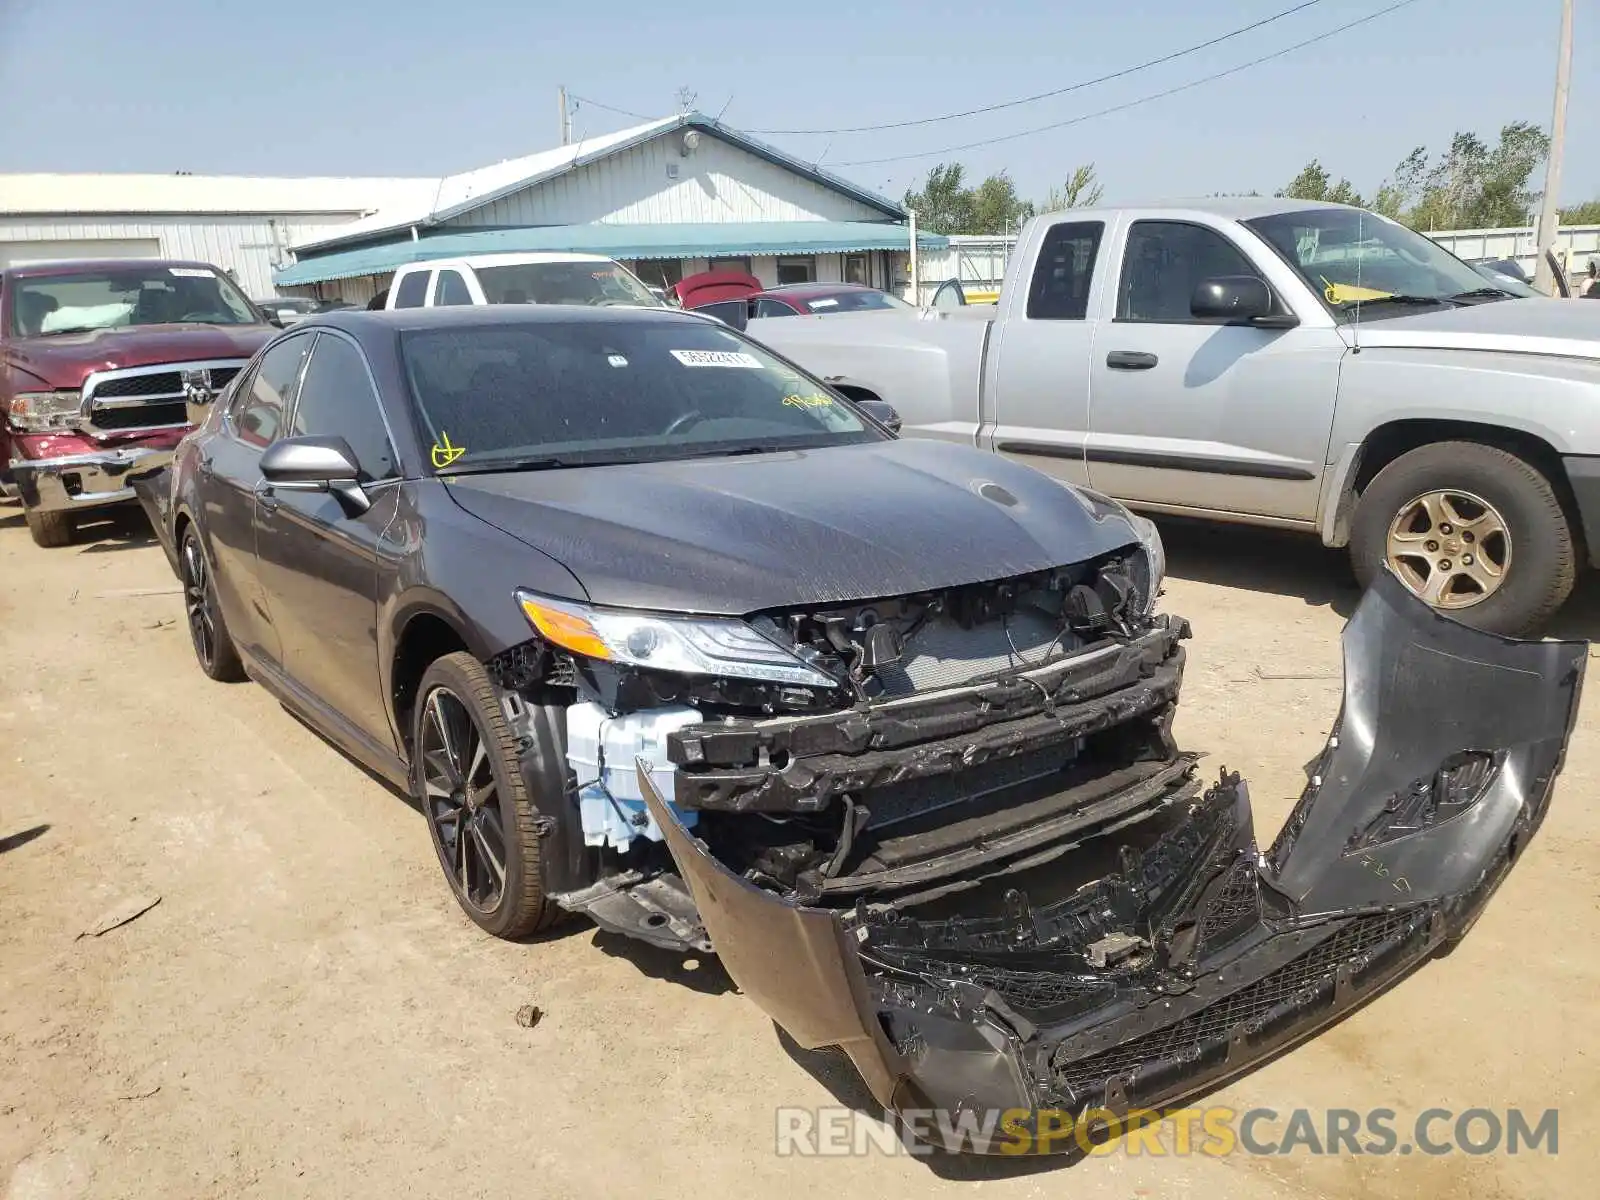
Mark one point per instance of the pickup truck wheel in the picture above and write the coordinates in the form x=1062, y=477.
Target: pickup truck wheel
x=208, y=632
x=1475, y=531
x=49, y=529
x=466, y=776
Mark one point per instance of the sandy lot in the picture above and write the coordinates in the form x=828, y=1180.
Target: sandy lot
x=307, y=1013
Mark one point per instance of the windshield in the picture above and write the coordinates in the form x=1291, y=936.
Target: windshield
x=559, y=393
x=852, y=301
x=1351, y=256
x=147, y=294
x=598, y=283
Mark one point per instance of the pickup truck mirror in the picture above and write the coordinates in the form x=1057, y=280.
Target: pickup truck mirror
x=882, y=412
x=1241, y=298
x=315, y=464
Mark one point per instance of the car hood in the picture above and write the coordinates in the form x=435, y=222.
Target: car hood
x=734, y=536
x=63, y=361
x=1532, y=325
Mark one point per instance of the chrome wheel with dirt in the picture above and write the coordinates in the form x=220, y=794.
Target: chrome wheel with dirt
x=1452, y=548
x=1475, y=530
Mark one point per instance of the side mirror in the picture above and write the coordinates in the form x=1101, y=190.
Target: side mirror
x=1243, y=299
x=882, y=412
x=315, y=464
x=950, y=294
x=271, y=314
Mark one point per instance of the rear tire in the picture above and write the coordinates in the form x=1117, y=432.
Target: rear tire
x=208, y=632
x=49, y=529
x=467, y=778
x=1427, y=513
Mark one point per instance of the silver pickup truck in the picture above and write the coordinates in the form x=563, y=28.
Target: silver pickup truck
x=1308, y=366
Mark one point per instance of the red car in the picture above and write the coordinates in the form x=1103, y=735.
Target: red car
x=785, y=300
x=100, y=363
x=820, y=299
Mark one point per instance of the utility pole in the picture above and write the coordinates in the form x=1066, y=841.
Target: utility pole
x=566, y=117
x=1549, y=209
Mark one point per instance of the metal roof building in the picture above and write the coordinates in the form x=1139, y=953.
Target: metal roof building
x=243, y=224
x=669, y=197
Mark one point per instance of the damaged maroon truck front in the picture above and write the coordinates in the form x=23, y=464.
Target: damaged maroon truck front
x=1081, y=925
x=100, y=363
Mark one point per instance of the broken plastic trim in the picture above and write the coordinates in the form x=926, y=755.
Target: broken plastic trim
x=1210, y=961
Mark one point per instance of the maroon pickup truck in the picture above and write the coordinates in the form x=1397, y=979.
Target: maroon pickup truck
x=102, y=367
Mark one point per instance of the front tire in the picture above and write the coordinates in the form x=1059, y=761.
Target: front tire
x=1473, y=530
x=208, y=632
x=467, y=777
x=49, y=529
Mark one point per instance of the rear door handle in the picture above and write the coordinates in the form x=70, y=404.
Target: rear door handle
x=1130, y=360
x=206, y=469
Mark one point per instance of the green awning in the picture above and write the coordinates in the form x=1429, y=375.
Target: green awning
x=735, y=239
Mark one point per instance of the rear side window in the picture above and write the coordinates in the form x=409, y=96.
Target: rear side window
x=259, y=416
x=450, y=288
x=1061, y=277
x=337, y=400
x=412, y=290
x=774, y=308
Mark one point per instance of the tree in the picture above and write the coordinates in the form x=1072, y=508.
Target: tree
x=996, y=207
x=1082, y=190
x=1474, y=185
x=1313, y=184
x=1587, y=213
x=942, y=205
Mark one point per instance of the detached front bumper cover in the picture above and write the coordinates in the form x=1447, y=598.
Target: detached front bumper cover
x=78, y=481
x=1195, y=957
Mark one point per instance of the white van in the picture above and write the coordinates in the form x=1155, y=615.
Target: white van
x=518, y=279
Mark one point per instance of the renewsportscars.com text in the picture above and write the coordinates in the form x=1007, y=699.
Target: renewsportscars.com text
x=1213, y=1131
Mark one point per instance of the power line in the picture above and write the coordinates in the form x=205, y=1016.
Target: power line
x=621, y=112
x=1076, y=87
x=1116, y=108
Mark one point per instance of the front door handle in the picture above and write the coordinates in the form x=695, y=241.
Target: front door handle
x=1130, y=360
x=265, y=497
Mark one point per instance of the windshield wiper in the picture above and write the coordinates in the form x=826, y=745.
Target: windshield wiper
x=517, y=464
x=736, y=451
x=1399, y=298
x=69, y=329
x=1485, y=293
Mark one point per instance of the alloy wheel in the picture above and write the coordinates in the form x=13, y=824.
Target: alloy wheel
x=199, y=603
x=463, y=800
x=1452, y=548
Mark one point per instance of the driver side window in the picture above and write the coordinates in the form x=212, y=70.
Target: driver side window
x=258, y=417
x=337, y=400
x=1163, y=263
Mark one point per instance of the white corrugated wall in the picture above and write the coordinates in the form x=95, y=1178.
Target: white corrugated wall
x=717, y=182
x=249, y=245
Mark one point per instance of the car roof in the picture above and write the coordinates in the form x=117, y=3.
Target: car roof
x=88, y=266
x=815, y=289
x=362, y=320
x=508, y=260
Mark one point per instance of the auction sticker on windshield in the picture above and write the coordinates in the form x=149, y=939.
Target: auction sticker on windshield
x=716, y=358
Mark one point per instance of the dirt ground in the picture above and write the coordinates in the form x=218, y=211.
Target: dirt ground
x=307, y=1013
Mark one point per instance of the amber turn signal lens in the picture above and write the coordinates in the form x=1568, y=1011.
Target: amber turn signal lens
x=565, y=629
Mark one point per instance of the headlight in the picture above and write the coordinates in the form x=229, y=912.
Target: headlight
x=40, y=412
x=1155, y=556
x=687, y=645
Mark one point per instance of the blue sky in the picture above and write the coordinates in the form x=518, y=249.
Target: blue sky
x=401, y=87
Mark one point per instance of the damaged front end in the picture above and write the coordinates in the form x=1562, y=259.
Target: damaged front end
x=1029, y=902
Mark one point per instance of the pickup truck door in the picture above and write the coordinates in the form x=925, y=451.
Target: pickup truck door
x=1200, y=415
x=1034, y=403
